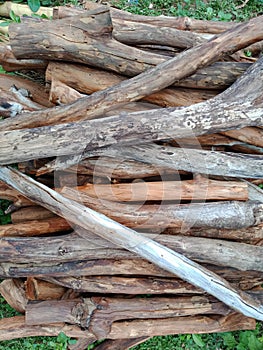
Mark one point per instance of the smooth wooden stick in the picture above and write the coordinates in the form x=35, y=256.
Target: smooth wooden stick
x=134, y=242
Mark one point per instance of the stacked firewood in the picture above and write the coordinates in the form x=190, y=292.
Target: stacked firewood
x=134, y=204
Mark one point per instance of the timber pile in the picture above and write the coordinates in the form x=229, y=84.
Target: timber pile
x=141, y=215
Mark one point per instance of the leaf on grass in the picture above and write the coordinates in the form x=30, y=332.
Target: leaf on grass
x=198, y=340
x=34, y=5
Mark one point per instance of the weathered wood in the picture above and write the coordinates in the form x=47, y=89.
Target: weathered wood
x=135, y=33
x=126, y=285
x=13, y=291
x=69, y=248
x=11, y=63
x=36, y=91
x=79, y=39
x=250, y=135
x=151, y=81
x=134, y=242
x=30, y=213
x=14, y=196
x=43, y=290
x=199, y=188
x=191, y=324
x=218, y=114
x=100, y=312
x=67, y=79
x=35, y=227
x=15, y=327
x=193, y=160
x=230, y=215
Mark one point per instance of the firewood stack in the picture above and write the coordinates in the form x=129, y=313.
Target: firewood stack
x=135, y=204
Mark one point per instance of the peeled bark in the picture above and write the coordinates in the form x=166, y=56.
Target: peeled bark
x=35, y=227
x=252, y=136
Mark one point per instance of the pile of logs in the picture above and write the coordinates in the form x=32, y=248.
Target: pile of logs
x=134, y=201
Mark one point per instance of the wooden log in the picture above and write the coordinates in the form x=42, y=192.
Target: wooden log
x=125, y=285
x=69, y=248
x=13, y=291
x=219, y=114
x=35, y=227
x=43, y=290
x=154, y=79
x=228, y=215
x=249, y=235
x=191, y=324
x=11, y=63
x=100, y=312
x=217, y=76
x=68, y=79
x=14, y=196
x=246, y=257
x=192, y=160
x=244, y=280
x=182, y=23
x=37, y=91
x=199, y=189
x=89, y=34
x=250, y=135
x=15, y=327
x=30, y=213
x=134, y=242
x=135, y=33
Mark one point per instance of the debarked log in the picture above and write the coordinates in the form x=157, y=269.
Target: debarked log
x=228, y=215
x=144, y=84
x=199, y=189
x=14, y=293
x=134, y=242
x=35, y=227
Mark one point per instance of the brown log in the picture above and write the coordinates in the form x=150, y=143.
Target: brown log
x=77, y=76
x=182, y=23
x=125, y=285
x=154, y=79
x=188, y=324
x=14, y=196
x=15, y=327
x=35, y=227
x=13, y=291
x=198, y=189
x=37, y=91
x=43, y=290
x=218, y=114
x=30, y=213
x=230, y=215
x=71, y=247
x=98, y=313
x=11, y=63
x=249, y=135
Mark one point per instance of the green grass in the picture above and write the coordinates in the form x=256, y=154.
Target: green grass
x=223, y=10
